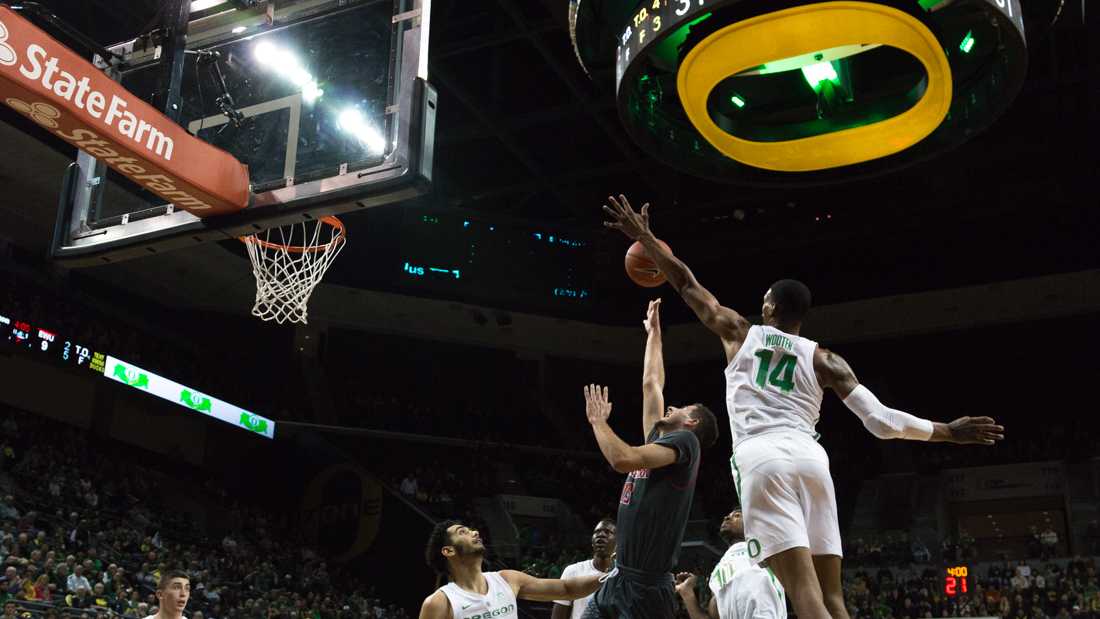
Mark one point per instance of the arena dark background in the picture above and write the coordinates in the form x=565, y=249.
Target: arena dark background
x=526, y=140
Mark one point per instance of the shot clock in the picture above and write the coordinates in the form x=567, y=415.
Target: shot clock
x=956, y=580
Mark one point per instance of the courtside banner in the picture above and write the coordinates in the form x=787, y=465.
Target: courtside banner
x=65, y=94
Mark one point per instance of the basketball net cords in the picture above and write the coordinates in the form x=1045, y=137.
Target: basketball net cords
x=285, y=279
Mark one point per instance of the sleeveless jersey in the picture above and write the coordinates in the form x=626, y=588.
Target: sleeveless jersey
x=498, y=603
x=744, y=590
x=771, y=385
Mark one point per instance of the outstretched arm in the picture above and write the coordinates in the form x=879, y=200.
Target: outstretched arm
x=622, y=457
x=723, y=321
x=834, y=373
x=653, y=371
x=528, y=587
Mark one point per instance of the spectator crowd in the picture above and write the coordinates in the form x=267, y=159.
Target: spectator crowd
x=82, y=533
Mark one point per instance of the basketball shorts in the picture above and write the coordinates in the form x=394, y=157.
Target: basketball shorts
x=787, y=495
x=632, y=594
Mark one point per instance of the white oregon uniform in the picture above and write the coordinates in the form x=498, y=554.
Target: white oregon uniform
x=498, y=603
x=780, y=471
x=576, y=570
x=744, y=590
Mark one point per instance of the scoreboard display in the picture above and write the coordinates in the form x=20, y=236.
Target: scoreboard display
x=483, y=257
x=23, y=334
x=956, y=580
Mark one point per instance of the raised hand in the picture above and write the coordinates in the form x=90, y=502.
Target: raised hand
x=975, y=431
x=685, y=584
x=625, y=219
x=652, y=320
x=596, y=405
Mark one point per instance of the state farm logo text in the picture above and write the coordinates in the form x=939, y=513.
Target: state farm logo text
x=7, y=53
x=38, y=65
x=112, y=112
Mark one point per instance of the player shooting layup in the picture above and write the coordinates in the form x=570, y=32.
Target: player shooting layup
x=774, y=385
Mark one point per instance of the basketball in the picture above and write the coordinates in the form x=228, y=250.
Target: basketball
x=641, y=269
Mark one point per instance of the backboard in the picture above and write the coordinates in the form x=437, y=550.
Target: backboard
x=326, y=101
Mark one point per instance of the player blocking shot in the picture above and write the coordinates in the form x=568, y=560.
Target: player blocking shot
x=775, y=381
x=659, y=488
x=455, y=552
x=739, y=588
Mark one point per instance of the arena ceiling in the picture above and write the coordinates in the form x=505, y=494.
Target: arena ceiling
x=523, y=132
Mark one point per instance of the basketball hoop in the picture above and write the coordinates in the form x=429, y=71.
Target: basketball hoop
x=288, y=263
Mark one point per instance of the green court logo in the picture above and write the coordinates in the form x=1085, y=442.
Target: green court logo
x=253, y=423
x=131, y=377
x=195, y=401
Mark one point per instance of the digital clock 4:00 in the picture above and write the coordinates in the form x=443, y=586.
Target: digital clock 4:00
x=956, y=580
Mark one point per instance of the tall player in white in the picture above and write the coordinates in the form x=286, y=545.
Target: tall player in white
x=775, y=380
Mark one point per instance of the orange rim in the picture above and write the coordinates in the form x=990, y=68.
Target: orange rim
x=298, y=249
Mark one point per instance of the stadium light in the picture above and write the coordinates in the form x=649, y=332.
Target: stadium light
x=351, y=120
x=819, y=72
x=287, y=65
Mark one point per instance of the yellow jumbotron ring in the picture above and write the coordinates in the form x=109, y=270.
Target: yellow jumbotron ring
x=803, y=30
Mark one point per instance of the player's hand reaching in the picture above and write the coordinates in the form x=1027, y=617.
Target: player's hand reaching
x=685, y=585
x=652, y=320
x=596, y=405
x=975, y=431
x=625, y=219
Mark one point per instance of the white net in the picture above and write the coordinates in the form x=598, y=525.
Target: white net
x=288, y=263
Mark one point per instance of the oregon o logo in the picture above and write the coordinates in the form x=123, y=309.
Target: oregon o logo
x=41, y=113
x=754, y=548
x=341, y=511
x=7, y=53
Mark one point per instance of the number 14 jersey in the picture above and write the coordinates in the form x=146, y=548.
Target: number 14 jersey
x=771, y=385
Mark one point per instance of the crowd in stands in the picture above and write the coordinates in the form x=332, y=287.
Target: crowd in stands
x=1062, y=589
x=81, y=530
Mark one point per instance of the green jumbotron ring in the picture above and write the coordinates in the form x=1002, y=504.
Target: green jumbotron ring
x=790, y=92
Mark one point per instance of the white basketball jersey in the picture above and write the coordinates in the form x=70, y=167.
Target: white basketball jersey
x=576, y=570
x=498, y=603
x=771, y=385
x=744, y=590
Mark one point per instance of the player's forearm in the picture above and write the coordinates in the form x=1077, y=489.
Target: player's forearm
x=551, y=589
x=653, y=371
x=888, y=423
x=581, y=586
x=695, y=610
x=675, y=271
x=615, y=450
x=941, y=433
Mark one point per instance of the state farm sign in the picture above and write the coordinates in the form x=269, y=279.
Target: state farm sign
x=67, y=95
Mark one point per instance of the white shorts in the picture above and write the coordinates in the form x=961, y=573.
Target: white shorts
x=787, y=495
